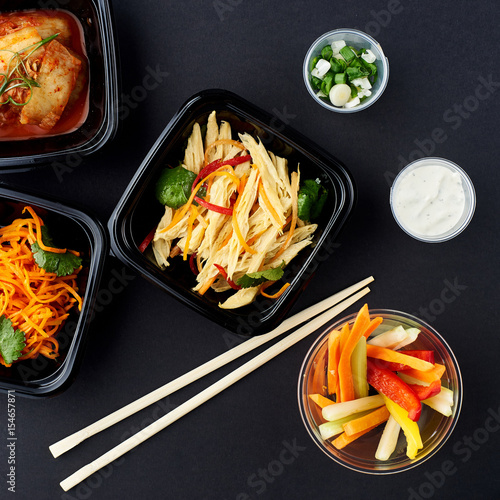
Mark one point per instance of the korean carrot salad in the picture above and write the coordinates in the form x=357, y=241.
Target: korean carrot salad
x=233, y=210
x=38, y=288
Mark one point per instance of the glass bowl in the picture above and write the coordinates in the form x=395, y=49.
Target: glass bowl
x=469, y=200
x=435, y=428
x=101, y=122
x=357, y=39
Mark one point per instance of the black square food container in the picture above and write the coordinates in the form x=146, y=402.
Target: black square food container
x=40, y=376
x=138, y=211
x=102, y=120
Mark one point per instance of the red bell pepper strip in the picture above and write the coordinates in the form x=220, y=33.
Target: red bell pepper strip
x=426, y=391
x=398, y=367
x=216, y=164
x=147, y=240
x=230, y=282
x=389, y=384
x=192, y=264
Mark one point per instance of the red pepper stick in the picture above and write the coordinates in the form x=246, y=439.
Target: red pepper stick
x=231, y=283
x=426, y=391
x=389, y=384
x=147, y=240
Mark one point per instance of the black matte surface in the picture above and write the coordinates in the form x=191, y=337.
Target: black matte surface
x=440, y=55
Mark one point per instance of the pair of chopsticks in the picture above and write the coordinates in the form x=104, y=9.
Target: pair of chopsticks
x=329, y=308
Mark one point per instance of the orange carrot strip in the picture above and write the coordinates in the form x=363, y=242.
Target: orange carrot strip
x=207, y=284
x=39, y=223
x=345, y=374
x=344, y=333
x=370, y=420
x=276, y=295
x=192, y=217
x=332, y=375
x=374, y=323
x=268, y=204
x=320, y=400
x=428, y=376
x=374, y=351
x=343, y=440
x=222, y=141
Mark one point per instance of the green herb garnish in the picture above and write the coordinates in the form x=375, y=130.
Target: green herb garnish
x=61, y=264
x=254, y=279
x=311, y=199
x=174, y=187
x=18, y=76
x=11, y=341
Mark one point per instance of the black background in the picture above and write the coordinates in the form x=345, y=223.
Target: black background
x=437, y=51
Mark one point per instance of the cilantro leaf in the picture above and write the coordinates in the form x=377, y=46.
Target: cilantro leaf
x=11, y=341
x=311, y=200
x=254, y=279
x=61, y=264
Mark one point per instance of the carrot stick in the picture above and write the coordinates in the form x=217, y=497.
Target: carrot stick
x=428, y=376
x=320, y=400
x=373, y=418
x=207, y=284
x=374, y=323
x=333, y=362
x=344, y=333
x=374, y=351
x=343, y=440
x=345, y=374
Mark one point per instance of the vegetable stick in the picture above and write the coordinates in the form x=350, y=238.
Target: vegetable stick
x=389, y=440
x=208, y=393
x=374, y=324
x=74, y=439
x=428, y=376
x=343, y=440
x=340, y=410
x=360, y=424
x=344, y=333
x=345, y=374
x=333, y=361
x=330, y=429
x=320, y=400
x=377, y=352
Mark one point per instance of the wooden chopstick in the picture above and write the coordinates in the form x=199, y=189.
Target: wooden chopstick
x=73, y=440
x=208, y=393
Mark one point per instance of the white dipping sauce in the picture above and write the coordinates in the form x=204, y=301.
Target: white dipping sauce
x=429, y=200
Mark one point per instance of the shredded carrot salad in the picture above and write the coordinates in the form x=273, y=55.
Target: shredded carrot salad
x=37, y=302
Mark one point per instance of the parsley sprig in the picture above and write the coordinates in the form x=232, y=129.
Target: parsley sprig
x=11, y=341
x=60, y=263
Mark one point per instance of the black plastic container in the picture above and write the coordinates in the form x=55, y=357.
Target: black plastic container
x=138, y=211
x=79, y=231
x=102, y=119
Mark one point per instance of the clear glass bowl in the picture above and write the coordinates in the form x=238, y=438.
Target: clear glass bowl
x=435, y=428
x=357, y=39
x=469, y=206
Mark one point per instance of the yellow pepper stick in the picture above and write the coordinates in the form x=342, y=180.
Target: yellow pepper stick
x=410, y=428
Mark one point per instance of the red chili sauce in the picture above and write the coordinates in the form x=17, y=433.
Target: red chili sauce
x=76, y=108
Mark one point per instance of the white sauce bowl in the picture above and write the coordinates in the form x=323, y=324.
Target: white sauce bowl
x=429, y=192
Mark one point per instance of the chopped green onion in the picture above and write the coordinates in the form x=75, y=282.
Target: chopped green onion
x=327, y=83
x=313, y=63
x=347, y=53
x=316, y=83
x=340, y=78
x=338, y=66
x=354, y=73
x=327, y=52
